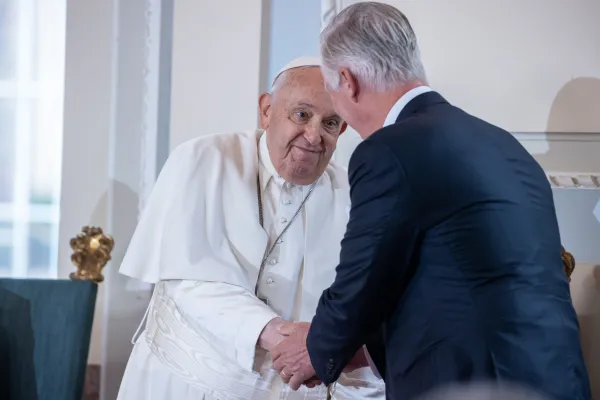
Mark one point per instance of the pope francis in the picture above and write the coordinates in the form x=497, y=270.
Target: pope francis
x=241, y=233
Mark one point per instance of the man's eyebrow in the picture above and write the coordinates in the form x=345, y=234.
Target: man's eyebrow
x=309, y=105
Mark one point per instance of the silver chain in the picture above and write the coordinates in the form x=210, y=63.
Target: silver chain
x=260, y=217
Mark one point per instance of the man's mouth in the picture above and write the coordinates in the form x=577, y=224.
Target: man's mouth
x=308, y=150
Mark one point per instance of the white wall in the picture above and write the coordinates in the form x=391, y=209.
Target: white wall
x=216, y=72
x=506, y=60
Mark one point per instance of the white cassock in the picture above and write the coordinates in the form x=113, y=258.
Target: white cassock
x=201, y=242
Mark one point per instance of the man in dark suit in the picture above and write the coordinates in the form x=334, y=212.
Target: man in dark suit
x=450, y=269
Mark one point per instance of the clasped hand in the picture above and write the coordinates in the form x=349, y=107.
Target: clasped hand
x=291, y=359
x=290, y=356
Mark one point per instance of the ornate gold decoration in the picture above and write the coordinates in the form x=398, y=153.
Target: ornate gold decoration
x=568, y=262
x=91, y=252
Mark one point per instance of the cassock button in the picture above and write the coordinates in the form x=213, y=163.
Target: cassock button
x=272, y=261
x=286, y=202
x=283, y=220
x=270, y=281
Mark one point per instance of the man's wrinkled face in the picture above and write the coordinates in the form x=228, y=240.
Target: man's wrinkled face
x=344, y=93
x=303, y=127
x=343, y=106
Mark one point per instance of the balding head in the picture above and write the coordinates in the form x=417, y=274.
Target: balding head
x=302, y=125
x=300, y=62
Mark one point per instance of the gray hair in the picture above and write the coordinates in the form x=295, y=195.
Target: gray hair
x=375, y=42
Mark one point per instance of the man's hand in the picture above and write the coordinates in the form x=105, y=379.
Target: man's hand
x=313, y=383
x=269, y=337
x=290, y=356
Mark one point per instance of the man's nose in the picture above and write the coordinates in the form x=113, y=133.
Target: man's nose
x=313, y=135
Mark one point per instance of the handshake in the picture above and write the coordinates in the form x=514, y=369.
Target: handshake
x=286, y=341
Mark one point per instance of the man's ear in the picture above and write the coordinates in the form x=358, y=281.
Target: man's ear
x=264, y=109
x=349, y=84
x=344, y=127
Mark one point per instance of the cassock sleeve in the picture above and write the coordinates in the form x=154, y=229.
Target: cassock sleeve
x=231, y=314
x=375, y=254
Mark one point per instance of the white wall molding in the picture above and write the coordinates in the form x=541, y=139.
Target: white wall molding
x=570, y=159
x=135, y=141
x=574, y=180
x=562, y=150
x=557, y=136
x=149, y=120
x=117, y=84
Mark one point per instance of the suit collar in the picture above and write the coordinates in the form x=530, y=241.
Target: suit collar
x=402, y=102
x=419, y=102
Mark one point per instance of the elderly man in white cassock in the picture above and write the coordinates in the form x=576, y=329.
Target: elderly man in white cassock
x=241, y=233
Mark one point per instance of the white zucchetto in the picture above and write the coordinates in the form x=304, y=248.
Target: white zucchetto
x=306, y=61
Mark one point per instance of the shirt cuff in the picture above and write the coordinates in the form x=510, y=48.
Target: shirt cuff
x=371, y=363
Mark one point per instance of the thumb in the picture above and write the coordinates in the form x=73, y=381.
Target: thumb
x=286, y=329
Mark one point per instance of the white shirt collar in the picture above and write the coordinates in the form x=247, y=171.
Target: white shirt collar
x=402, y=102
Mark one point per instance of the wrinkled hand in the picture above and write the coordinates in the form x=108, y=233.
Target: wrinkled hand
x=290, y=356
x=312, y=382
x=269, y=337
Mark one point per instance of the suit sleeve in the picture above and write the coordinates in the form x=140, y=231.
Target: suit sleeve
x=227, y=315
x=376, y=250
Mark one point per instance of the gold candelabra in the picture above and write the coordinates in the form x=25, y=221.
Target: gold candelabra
x=91, y=252
x=568, y=262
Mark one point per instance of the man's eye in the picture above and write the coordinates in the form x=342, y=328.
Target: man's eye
x=332, y=124
x=302, y=115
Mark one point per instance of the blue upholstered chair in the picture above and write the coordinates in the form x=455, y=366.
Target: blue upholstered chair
x=45, y=329
x=46, y=324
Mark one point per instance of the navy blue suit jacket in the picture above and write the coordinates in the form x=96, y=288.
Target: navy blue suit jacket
x=450, y=268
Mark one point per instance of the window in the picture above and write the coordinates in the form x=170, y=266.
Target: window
x=32, y=53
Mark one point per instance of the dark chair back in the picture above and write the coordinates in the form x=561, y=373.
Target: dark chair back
x=45, y=329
